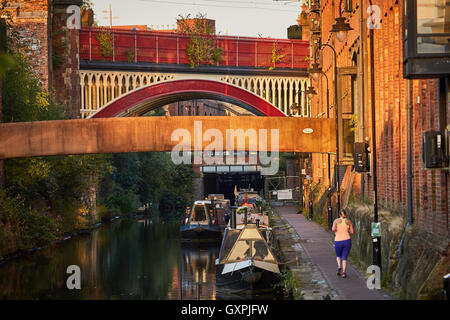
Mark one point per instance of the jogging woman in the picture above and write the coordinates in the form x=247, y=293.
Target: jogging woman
x=342, y=241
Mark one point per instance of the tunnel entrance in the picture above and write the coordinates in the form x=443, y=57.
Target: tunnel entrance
x=224, y=183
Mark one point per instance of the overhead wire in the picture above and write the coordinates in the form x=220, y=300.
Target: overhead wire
x=219, y=6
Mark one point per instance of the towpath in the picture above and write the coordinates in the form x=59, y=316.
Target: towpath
x=317, y=245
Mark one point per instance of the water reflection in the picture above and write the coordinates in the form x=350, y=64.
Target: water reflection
x=198, y=273
x=126, y=260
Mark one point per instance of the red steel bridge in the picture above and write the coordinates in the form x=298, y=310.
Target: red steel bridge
x=145, y=58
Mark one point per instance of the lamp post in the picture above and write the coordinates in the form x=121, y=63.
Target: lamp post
x=376, y=241
x=341, y=28
x=310, y=92
x=315, y=73
x=329, y=209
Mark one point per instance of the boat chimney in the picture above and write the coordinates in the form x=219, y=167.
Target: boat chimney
x=233, y=218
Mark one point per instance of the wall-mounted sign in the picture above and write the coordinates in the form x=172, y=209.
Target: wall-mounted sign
x=285, y=194
x=376, y=229
x=308, y=130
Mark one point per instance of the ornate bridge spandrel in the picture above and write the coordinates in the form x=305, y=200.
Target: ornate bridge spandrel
x=99, y=88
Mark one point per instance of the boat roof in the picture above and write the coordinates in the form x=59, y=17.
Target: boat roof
x=248, y=242
x=202, y=202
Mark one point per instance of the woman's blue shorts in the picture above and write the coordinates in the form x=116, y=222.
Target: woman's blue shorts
x=342, y=248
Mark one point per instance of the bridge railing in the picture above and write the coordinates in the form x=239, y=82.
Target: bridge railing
x=170, y=48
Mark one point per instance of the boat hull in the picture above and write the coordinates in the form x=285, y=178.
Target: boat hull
x=200, y=233
x=249, y=280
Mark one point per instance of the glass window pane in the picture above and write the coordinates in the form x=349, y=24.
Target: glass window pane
x=433, y=16
x=349, y=136
x=433, y=44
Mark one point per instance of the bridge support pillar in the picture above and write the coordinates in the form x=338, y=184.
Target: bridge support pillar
x=66, y=71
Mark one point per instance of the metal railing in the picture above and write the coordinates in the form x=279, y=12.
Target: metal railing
x=170, y=48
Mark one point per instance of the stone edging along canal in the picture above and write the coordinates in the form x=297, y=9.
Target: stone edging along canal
x=308, y=281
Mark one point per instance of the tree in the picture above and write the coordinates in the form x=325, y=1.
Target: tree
x=43, y=196
x=202, y=48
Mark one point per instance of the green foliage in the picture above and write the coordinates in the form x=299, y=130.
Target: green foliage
x=6, y=63
x=43, y=196
x=130, y=54
x=105, y=40
x=159, y=112
x=22, y=228
x=59, y=45
x=172, y=204
x=202, y=47
x=23, y=97
x=87, y=4
x=145, y=178
x=289, y=285
x=277, y=56
x=124, y=201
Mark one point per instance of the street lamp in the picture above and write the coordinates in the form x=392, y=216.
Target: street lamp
x=316, y=72
x=341, y=28
x=310, y=92
x=329, y=209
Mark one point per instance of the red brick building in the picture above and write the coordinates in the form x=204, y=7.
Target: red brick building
x=429, y=101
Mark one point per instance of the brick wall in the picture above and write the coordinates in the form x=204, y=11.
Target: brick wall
x=31, y=21
x=41, y=29
x=430, y=187
x=196, y=108
x=66, y=76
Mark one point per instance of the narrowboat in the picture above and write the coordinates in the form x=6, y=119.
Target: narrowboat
x=248, y=261
x=202, y=222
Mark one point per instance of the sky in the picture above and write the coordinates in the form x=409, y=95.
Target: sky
x=266, y=18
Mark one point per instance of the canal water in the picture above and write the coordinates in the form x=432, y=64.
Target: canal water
x=126, y=259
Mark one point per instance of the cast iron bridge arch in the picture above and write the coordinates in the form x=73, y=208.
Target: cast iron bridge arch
x=145, y=58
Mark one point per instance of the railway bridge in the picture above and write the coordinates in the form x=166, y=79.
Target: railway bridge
x=146, y=59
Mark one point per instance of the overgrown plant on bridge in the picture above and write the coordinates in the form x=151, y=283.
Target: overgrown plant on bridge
x=202, y=48
x=105, y=40
x=277, y=56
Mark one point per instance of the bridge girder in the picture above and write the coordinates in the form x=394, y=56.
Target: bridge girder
x=155, y=134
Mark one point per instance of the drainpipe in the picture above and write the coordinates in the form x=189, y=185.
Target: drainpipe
x=409, y=171
x=361, y=66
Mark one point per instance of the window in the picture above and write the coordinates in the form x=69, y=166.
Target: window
x=199, y=215
x=426, y=33
x=433, y=26
x=349, y=101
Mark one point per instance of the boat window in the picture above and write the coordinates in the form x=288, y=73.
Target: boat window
x=199, y=214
